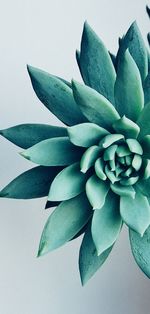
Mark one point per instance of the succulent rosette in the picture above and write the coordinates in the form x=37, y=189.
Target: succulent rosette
x=96, y=169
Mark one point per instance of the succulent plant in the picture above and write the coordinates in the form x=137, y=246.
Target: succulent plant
x=96, y=169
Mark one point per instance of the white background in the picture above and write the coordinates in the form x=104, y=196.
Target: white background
x=45, y=34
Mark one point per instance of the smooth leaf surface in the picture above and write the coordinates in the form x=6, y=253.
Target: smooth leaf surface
x=145, y=142
x=96, y=191
x=27, y=135
x=144, y=121
x=53, y=152
x=144, y=186
x=64, y=223
x=89, y=157
x=129, y=95
x=146, y=87
x=106, y=223
x=89, y=262
x=86, y=134
x=56, y=96
x=31, y=184
x=135, y=212
x=68, y=183
x=94, y=106
x=126, y=127
x=141, y=250
x=96, y=65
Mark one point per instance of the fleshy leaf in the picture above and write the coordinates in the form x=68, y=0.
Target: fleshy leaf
x=31, y=184
x=99, y=169
x=134, y=146
x=89, y=157
x=27, y=135
x=68, y=183
x=144, y=187
x=134, y=42
x=96, y=65
x=89, y=262
x=64, y=223
x=146, y=87
x=94, y=106
x=53, y=152
x=110, y=139
x=123, y=190
x=56, y=96
x=86, y=134
x=96, y=191
x=126, y=127
x=144, y=121
x=129, y=95
x=141, y=250
x=145, y=142
x=135, y=212
x=106, y=224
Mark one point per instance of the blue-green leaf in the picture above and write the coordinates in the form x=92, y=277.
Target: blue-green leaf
x=135, y=212
x=89, y=262
x=134, y=41
x=31, y=184
x=89, y=157
x=27, y=135
x=64, y=223
x=126, y=127
x=123, y=190
x=129, y=95
x=141, y=249
x=144, y=121
x=94, y=106
x=86, y=134
x=95, y=64
x=56, y=96
x=144, y=187
x=106, y=223
x=96, y=191
x=53, y=152
x=145, y=142
x=68, y=183
x=146, y=87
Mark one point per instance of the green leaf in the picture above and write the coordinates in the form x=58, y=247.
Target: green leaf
x=68, y=183
x=89, y=157
x=64, y=223
x=94, y=106
x=56, y=96
x=27, y=135
x=106, y=224
x=129, y=95
x=134, y=146
x=86, y=134
x=123, y=190
x=144, y=187
x=126, y=127
x=143, y=121
x=146, y=87
x=99, y=169
x=135, y=212
x=141, y=249
x=53, y=152
x=134, y=41
x=89, y=262
x=145, y=142
x=31, y=184
x=110, y=139
x=96, y=191
x=95, y=64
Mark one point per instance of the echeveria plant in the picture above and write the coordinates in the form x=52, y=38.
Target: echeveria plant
x=96, y=169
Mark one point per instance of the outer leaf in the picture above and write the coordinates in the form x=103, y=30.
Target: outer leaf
x=94, y=106
x=134, y=41
x=56, y=96
x=135, y=212
x=96, y=191
x=95, y=64
x=144, y=187
x=89, y=262
x=53, y=152
x=146, y=88
x=141, y=249
x=86, y=134
x=106, y=224
x=145, y=142
x=67, y=184
x=31, y=184
x=126, y=127
x=27, y=135
x=128, y=88
x=144, y=120
x=64, y=223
